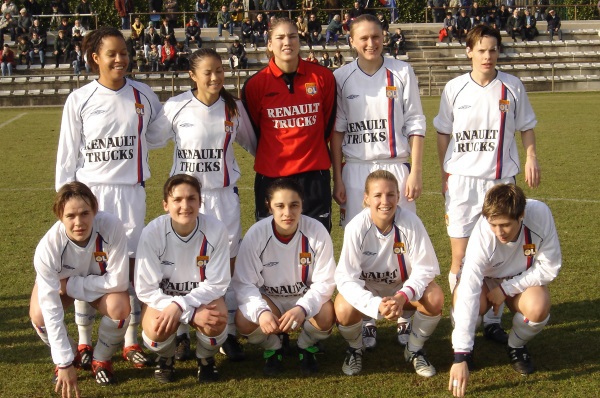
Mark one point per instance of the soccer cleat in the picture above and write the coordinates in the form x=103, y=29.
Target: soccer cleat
x=273, y=362
x=233, y=349
x=207, y=370
x=404, y=329
x=85, y=354
x=353, y=361
x=182, y=350
x=104, y=372
x=285, y=344
x=308, y=360
x=494, y=332
x=164, y=372
x=420, y=362
x=521, y=360
x=369, y=333
x=136, y=356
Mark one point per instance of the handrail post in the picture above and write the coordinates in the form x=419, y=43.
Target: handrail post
x=553, y=76
x=429, y=67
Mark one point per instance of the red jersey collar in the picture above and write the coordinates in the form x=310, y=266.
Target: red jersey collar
x=278, y=73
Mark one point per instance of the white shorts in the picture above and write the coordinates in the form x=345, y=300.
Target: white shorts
x=224, y=204
x=284, y=303
x=128, y=202
x=464, y=201
x=383, y=289
x=354, y=175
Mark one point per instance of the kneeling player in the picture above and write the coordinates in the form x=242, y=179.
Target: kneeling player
x=512, y=255
x=181, y=276
x=84, y=257
x=284, y=279
x=387, y=265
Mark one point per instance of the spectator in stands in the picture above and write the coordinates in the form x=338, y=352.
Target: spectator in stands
x=438, y=9
x=529, y=29
x=192, y=34
x=24, y=23
x=314, y=30
x=167, y=55
x=77, y=38
x=237, y=56
x=540, y=12
x=288, y=5
x=202, y=8
x=224, y=21
x=62, y=6
x=65, y=27
x=152, y=38
x=85, y=8
x=37, y=48
x=261, y=29
x=236, y=9
x=326, y=61
x=33, y=7
x=463, y=25
x=450, y=26
x=130, y=45
x=554, y=25
x=270, y=5
x=140, y=60
x=503, y=15
x=514, y=26
x=7, y=58
x=334, y=30
x=78, y=26
x=124, y=8
x=172, y=8
x=302, y=29
x=338, y=59
x=55, y=17
x=248, y=33
x=386, y=42
x=399, y=43
x=183, y=56
x=153, y=58
x=453, y=7
x=62, y=48
x=346, y=22
x=308, y=7
x=155, y=8
x=476, y=14
x=167, y=32
x=137, y=31
x=357, y=11
x=333, y=7
x=38, y=28
x=23, y=48
x=311, y=58
x=492, y=18
x=77, y=60
x=384, y=24
x=10, y=7
x=8, y=26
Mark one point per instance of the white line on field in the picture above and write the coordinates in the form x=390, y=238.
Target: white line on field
x=13, y=119
x=575, y=200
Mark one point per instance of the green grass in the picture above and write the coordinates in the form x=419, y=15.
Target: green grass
x=566, y=353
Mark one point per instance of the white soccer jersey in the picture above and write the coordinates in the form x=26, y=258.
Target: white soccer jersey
x=403, y=259
x=204, y=138
x=105, y=134
x=378, y=113
x=189, y=270
x=534, y=259
x=101, y=267
x=482, y=122
x=301, y=268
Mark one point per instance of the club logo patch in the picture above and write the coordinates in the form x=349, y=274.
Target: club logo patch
x=504, y=105
x=305, y=259
x=391, y=92
x=100, y=257
x=228, y=127
x=139, y=109
x=529, y=250
x=201, y=261
x=399, y=248
x=311, y=88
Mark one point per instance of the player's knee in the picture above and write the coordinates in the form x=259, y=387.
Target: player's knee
x=325, y=319
x=345, y=313
x=117, y=305
x=212, y=330
x=243, y=325
x=433, y=299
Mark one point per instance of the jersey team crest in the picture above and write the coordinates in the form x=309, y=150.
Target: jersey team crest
x=311, y=88
x=529, y=250
x=504, y=105
x=201, y=261
x=139, y=108
x=228, y=127
x=399, y=248
x=100, y=257
x=305, y=259
x=391, y=92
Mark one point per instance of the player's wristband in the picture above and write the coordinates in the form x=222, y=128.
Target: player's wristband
x=177, y=304
x=260, y=313
x=400, y=292
x=502, y=290
x=303, y=310
x=460, y=357
x=62, y=367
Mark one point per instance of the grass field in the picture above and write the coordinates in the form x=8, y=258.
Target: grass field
x=566, y=353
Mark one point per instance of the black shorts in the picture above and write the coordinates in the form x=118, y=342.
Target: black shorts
x=317, y=195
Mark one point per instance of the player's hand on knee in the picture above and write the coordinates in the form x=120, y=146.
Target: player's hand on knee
x=66, y=382
x=268, y=323
x=168, y=320
x=292, y=319
x=209, y=316
x=496, y=297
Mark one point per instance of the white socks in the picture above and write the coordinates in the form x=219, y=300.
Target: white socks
x=85, y=315
x=310, y=335
x=207, y=347
x=110, y=337
x=232, y=307
x=165, y=349
x=268, y=342
x=352, y=334
x=131, y=336
x=523, y=330
x=423, y=327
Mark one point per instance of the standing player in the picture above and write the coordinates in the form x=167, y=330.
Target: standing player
x=479, y=115
x=387, y=265
x=205, y=122
x=181, y=276
x=284, y=279
x=512, y=256
x=291, y=103
x=107, y=128
x=379, y=125
x=84, y=257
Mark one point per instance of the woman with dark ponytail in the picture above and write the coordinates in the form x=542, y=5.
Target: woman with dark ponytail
x=205, y=122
